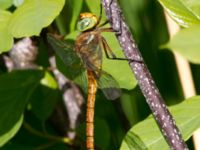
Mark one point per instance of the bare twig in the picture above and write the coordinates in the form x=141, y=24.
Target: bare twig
x=72, y=98
x=153, y=97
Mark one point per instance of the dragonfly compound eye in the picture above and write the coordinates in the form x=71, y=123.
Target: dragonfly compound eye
x=87, y=21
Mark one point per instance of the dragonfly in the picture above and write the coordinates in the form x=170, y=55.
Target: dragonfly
x=86, y=56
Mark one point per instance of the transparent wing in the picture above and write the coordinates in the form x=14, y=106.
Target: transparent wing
x=75, y=70
x=109, y=86
x=82, y=81
x=64, y=50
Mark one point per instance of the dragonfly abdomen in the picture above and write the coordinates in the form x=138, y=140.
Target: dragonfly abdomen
x=92, y=89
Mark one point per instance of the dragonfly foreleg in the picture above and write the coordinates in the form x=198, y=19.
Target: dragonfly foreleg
x=108, y=51
x=104, y=23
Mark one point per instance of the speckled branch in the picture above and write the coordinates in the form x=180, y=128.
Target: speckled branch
x=147, y=85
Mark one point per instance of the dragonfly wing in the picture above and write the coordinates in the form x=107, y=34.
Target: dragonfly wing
x=82, y=81
x=71, y=61
x=109, y=86
x=66, y=53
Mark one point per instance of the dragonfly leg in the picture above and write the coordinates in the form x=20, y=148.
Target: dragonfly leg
x=108, y=51
x=100, y=15
x=106, y=30
x=110, y=30
x=104, y=23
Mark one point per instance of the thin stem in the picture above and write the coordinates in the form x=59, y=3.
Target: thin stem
x=45, y=146
x=147, y=85
x=48, y=136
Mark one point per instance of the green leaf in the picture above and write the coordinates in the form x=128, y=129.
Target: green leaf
x=95, y=7
x=184, y=12
x=146, y=134
x=33, y=15
x=77, y=5
x=119, y=69
x=187, y=43
x=45, y=97
x=4, y=138
x=17, y=3
x=102, y=138
x=6, y=40
x=129, y=105
x=4, y=4
x=194, y=5
x=49, y=81
x=15, y=90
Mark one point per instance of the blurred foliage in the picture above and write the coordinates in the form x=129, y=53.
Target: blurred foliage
x=32, y=95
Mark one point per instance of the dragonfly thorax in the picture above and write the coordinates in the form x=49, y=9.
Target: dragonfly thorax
x=87, y=21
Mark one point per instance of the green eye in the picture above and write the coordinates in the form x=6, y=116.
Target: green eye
x=86, y=23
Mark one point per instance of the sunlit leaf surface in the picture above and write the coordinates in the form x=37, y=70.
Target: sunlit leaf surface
x=187, y=43
x=146, y=135
x=184, y=12
x=4, y=4
x=33, y=15
x=4, y=138
x=6, y=39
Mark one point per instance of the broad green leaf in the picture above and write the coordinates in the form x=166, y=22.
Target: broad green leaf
x=17, y=3
x=102, y=138
x=187, y=43
x=184, y=14
x=6, y=39
x=26, y=140
x=146, y=134
x=72, y=35
x=119, y=69
x=8, y=135
x=105, y=110
x=77, y=5
x=128, y=103
x=49, y=81
x=15, y=90
x=4, y=4
x=33, y=15
x=95, y=8
x=4, y=18
x=45, y=97
x=194, y=5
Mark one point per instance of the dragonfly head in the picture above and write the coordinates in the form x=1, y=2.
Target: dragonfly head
x=86, y=21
